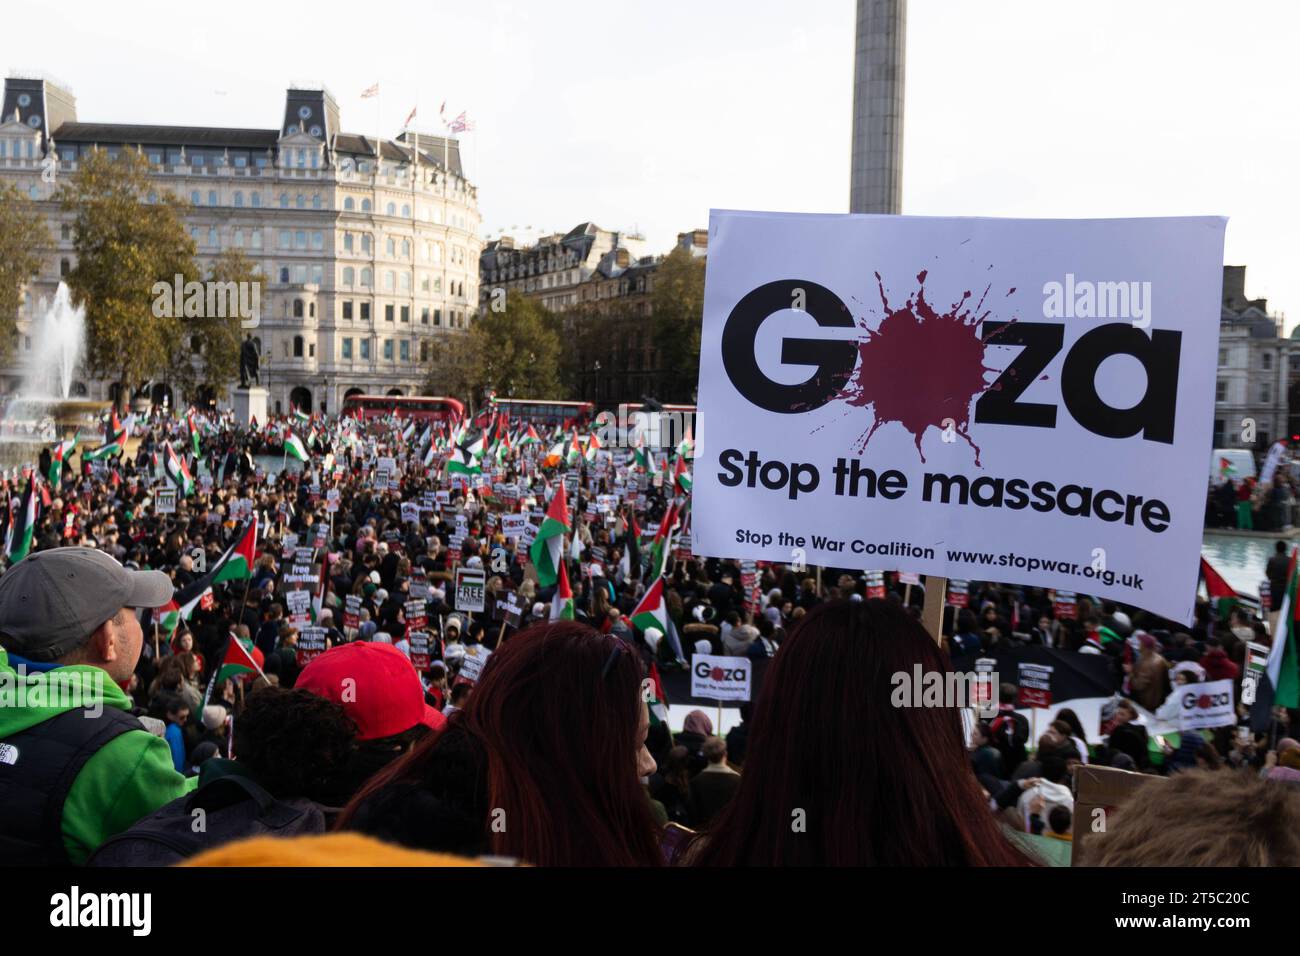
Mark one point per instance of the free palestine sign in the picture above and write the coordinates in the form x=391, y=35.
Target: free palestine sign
x=1025, y=401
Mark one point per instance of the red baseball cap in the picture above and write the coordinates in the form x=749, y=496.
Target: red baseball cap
x=376, y=685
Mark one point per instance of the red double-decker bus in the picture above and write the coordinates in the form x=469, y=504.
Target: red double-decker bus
x=420, y=408
x=545, y=412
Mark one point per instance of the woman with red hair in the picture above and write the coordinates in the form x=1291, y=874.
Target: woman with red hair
x=836, y=774
x=542, y=765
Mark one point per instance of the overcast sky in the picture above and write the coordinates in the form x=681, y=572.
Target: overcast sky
x=645, y=115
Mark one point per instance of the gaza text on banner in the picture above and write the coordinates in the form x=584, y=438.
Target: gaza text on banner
x=1026, y=401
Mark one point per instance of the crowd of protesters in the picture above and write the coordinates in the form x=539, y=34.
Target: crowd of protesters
x=554, y=751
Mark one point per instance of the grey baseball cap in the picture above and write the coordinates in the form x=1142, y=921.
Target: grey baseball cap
x=52, y=601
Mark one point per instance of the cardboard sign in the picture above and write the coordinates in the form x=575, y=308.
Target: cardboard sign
x=721, y=678
x=416, y=612
x=419, y=642
x=875, y=584
x=1256, y=663
x=1065, y=606
x=1206, y=705
x=332, y=497
x=419, y=585
x=959, y=593
x=471, y=665
x=471, y=589
x=508, y=610
x=1100, y=793
x=352, y=615
x=512, y=526
x=299, y=603
x=961, y=414
x=1035, y=685
x=410, y=512
x=311, y=644
x=164, y=501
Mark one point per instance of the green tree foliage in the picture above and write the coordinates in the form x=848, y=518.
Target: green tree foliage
x=515, y=350
x=23, y=238
x=678, y=308
x=124, y=246
x=208, y=348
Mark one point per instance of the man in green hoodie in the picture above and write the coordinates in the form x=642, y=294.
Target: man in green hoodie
x=75, y=766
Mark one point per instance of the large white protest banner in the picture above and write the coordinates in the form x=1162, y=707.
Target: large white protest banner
x=1026, y=401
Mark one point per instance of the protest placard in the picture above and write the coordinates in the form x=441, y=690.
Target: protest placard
x=1206, y=705
x=164, y=501
x=1009, y=400
x=419, y=644
x=470, y=589
x=311, y=644
x=720, y=678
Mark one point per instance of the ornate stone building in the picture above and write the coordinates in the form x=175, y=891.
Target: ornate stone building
x=369, y=249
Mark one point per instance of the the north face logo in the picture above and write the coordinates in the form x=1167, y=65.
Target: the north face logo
x=8, y=754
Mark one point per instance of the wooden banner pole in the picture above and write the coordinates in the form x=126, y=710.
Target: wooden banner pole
x=936, y=592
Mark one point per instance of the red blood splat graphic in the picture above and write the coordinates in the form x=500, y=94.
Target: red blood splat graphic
x=920, y=368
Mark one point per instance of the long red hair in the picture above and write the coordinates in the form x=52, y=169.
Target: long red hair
x=557, y=713
x=836, y=775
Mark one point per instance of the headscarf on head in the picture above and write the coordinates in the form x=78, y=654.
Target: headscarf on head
x=697, y=722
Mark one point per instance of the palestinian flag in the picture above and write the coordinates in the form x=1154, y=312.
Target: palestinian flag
x=659, y=702
x=294, y=447
x=644, y=460
x=61, y=453
x=548, y=546
x=177, y=472
x=681, y=477
x=651, y=610
x=1281, y=684
x=23, y=523
x=663, y=543
x=530, y=437
x=194, y=432
x=302, y=416
x=114, y=440
x=1220, y=592
x=575, y=451
x=562, y=602
x=593, y=446
x=241, y=658
x=169, y=617
x=1226, y=468
x=686, y=447
x=236, y=564
x=465, y=459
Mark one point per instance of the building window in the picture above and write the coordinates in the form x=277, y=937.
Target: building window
x=315, y=199
x=317, y=274
x=406, y=282
x=284, y=274
x=388, y=349
x=1221, y=392
x=300, y=201
x=424, y=351
x=404, y=350
x=365, y=311
x=349, y=205
x=297, y=309
x=437, y=316
x=297, y=343
x=212, y=235
x=212, y=197
x=196, y=198
x=257, y=238
x=388, y=312
x=365, y=204
x=284, y=200
x=1266, y=392
x=391, y=209
x=64, y=267
x=257, y=200
x=365, y=348
x=239, y=198
x=286, y=239
x=390, y=279
x=311, y=350
x=390, y=247
x=1266, y=361
x=406, y=248
x=348, y=275
x=347, y=308
x=365, y=277
x=347, y=242
x=347, y=348
x=424, y=315
x=406, y=313
x=406, y=210
x=365, y=243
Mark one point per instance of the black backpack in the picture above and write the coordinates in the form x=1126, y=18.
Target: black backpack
x=233, y=808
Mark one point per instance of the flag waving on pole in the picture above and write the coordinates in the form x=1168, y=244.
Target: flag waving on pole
x=548, y=546
x=562, y=603
x=370, y=91
x=177, y=472
x=411, y=116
